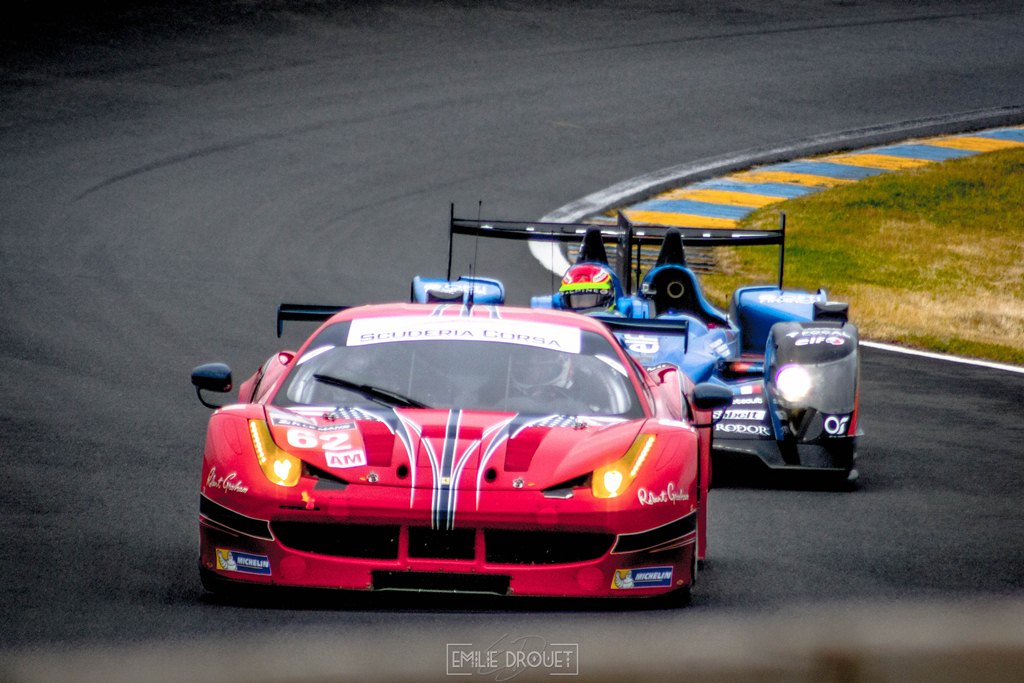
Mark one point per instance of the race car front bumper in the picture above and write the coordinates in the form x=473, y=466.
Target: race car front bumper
x=578, y=555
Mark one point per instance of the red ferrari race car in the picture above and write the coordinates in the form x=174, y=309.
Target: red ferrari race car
x=452, y=447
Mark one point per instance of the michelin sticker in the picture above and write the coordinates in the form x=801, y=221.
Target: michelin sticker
x=247, y=563
x=647, y=577
x=366, y=331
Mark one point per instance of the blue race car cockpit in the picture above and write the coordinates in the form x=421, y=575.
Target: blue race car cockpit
x=672, y=288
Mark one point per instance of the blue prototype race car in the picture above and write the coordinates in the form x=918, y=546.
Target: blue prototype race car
x=789, y=357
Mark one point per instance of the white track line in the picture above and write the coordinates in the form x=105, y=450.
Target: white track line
x=942, y=356
x=551, y=257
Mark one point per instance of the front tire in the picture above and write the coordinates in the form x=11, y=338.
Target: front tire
x=682, y=597
x=225, y=589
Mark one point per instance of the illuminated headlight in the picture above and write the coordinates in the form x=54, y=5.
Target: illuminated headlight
x=612, y=480
x=280, y=467
x=793, y=382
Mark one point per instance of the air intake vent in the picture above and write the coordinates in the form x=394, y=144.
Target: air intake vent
x=539, y=547
x=339, y=540
x=442, y=583
x=458, y=544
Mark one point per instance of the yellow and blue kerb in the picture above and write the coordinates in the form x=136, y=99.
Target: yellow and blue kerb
x=723, y=202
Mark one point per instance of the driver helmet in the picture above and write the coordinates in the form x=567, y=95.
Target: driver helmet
x=533, y=369
x=588, y=288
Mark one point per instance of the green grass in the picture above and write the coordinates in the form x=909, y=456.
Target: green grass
x=931, y=258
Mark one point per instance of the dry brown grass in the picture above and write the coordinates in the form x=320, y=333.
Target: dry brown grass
x=932, y=258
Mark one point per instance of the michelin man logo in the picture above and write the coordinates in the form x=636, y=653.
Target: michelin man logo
x=225, y=560
x=623, y=579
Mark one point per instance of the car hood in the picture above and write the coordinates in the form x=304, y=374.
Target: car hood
x=460, y=449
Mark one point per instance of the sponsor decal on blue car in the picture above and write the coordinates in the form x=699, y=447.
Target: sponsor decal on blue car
x=836, y=425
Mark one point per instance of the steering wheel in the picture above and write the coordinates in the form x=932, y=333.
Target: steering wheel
x=550, y=398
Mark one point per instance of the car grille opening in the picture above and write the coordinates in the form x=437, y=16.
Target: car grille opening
x=544, y=547
x=383, y=542
x=458, y=544
x=441, y=582
x=340, y=540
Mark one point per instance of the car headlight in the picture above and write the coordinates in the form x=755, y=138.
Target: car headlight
x=612, y=480
x=793, y=382
x=279, y=466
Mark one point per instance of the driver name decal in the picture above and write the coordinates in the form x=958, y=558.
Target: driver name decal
x=229, y=482
x=669, y=494
x=365, y=331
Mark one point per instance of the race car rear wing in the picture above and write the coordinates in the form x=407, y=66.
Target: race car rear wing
x=652, y=325
x=304, y=312
x=627, y=237
x=650, y=341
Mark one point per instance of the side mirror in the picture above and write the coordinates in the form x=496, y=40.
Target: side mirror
x=707, y=396
x=832, y=310
x=740, y=368
x=211, y=377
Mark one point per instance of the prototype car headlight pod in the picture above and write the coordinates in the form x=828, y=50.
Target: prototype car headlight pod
x=612, y=480
x=793, y=382
x=280, y=467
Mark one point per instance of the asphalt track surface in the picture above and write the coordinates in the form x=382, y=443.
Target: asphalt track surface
x=170, y=174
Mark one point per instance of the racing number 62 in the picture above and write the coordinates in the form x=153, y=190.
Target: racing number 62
x=306, y=439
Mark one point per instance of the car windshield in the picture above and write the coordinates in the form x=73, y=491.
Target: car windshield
x=462, y=363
